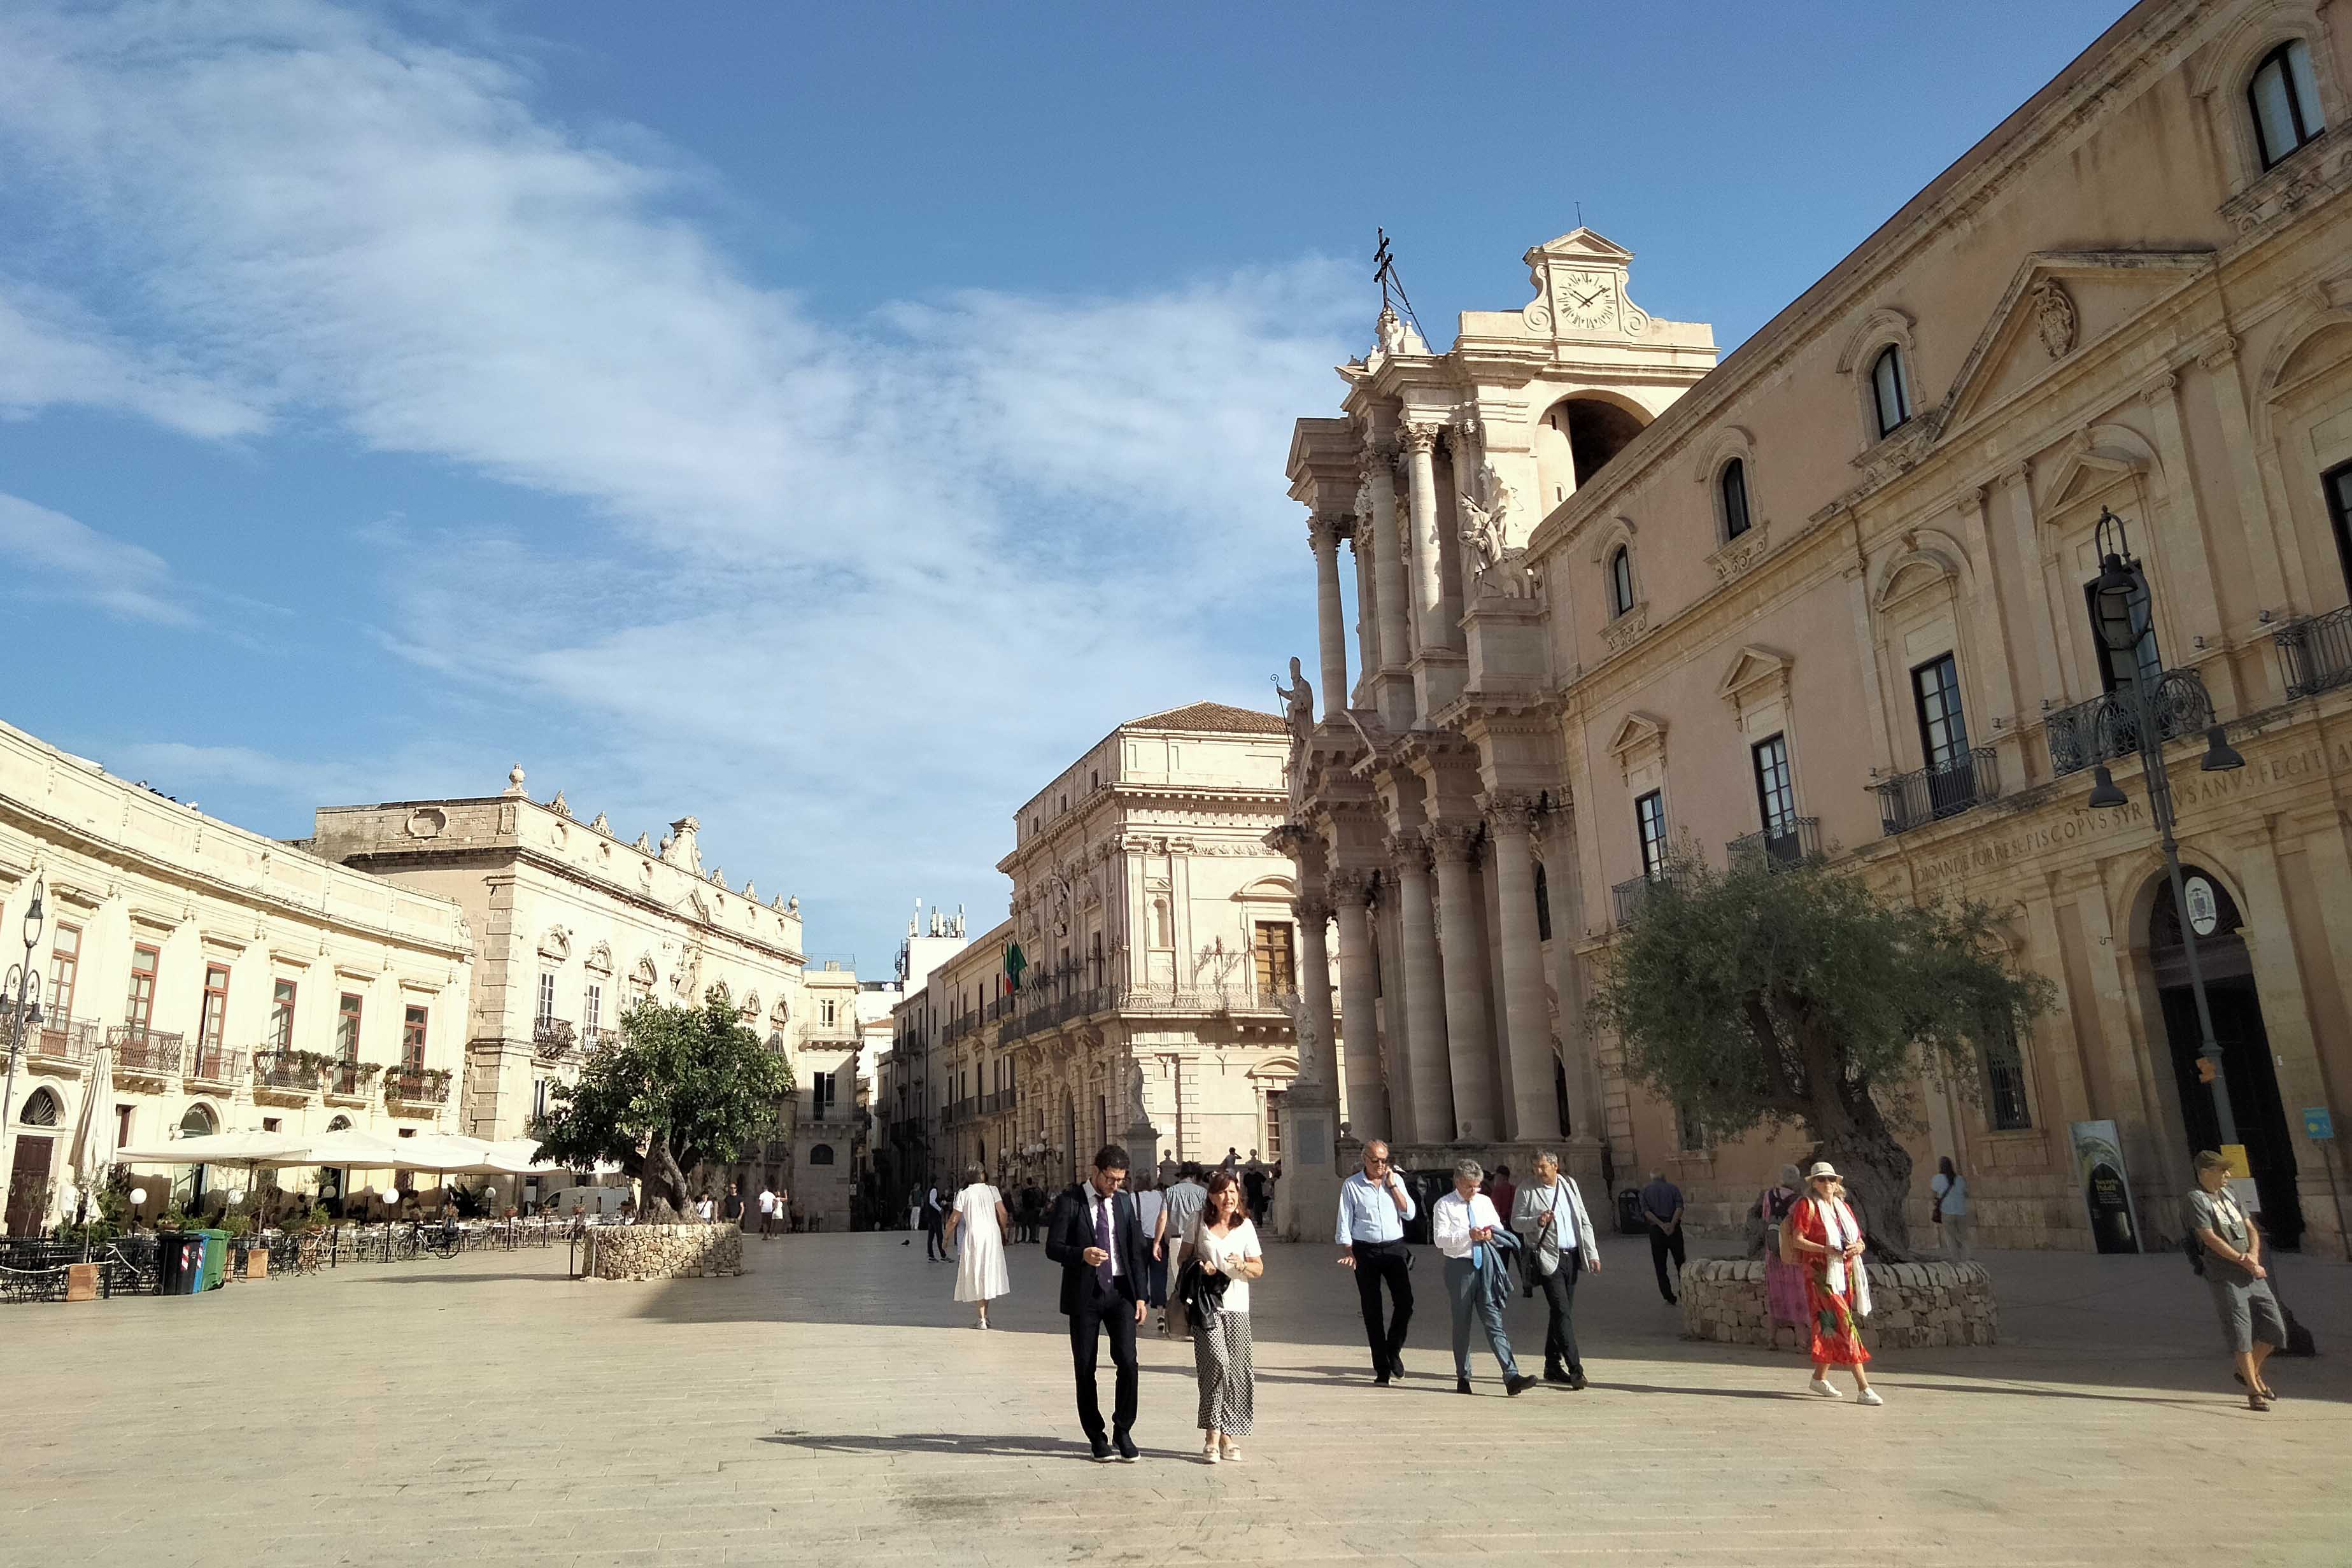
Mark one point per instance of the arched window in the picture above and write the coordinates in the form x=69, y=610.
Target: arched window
x=2285, y=99
x=40, y=1111
x=1621, y=580
x=821, y=1155
x=1889, y=388
x=199, y=1122
x=1732, y=482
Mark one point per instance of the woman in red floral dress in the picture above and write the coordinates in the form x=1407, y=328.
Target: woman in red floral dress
x=1827, y=1239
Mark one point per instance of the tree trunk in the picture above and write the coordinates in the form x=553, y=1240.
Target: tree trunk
x=664, y=1184
x=1854, y=1138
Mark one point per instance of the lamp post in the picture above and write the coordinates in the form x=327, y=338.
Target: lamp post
x=22, y=994
x=2124, y=617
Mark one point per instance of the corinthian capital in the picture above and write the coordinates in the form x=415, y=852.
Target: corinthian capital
x=1419, y=439
x=1311, y=909
x=1349, y=887
x=1450, y=841
x=1326, y=529
x=1510, y=812
x=1408, y=853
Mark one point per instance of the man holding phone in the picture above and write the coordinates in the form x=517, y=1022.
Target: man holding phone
x=1374, y=1208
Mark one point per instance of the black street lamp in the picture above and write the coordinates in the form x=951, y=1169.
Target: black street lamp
x=2123, y=615
x=21, y=995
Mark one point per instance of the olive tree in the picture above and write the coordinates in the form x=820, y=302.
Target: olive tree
x=674, y=1087
x=1775, y=994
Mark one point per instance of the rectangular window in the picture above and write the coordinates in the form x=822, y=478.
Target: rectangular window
x=411, y=1039
x=592, y=1014
x=139, y=1010
x=539, y=1099
x=281, y=1016
x=1272, y=1140
x=1776, y=797
x=828, y=1012
x=347, y=1026
x=2115, y=669
x=1690, y=1133
x=546, y=998
x=122, y=1127
x=213, y=1016
x=1277, y=974
x=1650, y=831
x=2337, y=483
x=2005, y=1103
x=64, y=968
x=1943, y=727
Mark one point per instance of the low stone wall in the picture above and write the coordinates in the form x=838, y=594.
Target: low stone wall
x=1913, y=1306
x=663, y=1251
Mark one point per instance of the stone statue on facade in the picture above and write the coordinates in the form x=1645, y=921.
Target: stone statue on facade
x=1303, y=1031
x=1389, y=331
x=1136, y=1116
x=1486, y=507
x=1297, y=704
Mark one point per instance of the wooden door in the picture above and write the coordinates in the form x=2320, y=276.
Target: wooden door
x=29, y=1186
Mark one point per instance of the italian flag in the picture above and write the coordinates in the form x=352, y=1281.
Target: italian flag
x=1014, y=964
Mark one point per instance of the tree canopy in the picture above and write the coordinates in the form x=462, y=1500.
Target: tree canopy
x=1775, y=994
x=673, y=1088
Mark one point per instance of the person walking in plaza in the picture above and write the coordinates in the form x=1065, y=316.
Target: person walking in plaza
x=1824, y=1237
x=1095, y=1238
x=1224, y=1241
x=1374, y=1209
x=1183, y=1205
x=1151, y=1214
x=978, y=1214
x=1559, y=1244
x=1784, y=1280
x=1505, y=1194
x=767, y=1211
x=702, y=1208
x=732, y=1211
x=934, y=1219
x=1472, y=1238
x=1662, y=1210
x=1951, y=1193
x=1254, y=1187
x=2252, y=1327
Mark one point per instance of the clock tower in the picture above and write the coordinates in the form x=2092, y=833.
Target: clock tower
x=1580, y=281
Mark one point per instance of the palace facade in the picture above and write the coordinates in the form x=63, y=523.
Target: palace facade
x=1616, y=609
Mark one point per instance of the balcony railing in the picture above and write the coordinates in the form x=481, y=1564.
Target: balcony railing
x=552, y=1040
x=996, y=1105
x=2317, y=653
x=55, y=1037
x=286, y=1073
x=1628, y=898
x=417, y=1086
x=143, y=1052
x=2105, y=728
x=1799, y=839
x=352, y=1080
x=1912, y=799
x=957, y=1113
x=211, y=1063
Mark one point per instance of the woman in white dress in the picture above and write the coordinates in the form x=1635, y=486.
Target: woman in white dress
x=979, y=1262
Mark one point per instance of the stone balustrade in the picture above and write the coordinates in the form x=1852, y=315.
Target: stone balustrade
x=1913, y=1306
x=663, y=1251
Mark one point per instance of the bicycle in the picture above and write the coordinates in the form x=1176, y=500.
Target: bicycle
x=441, y=1240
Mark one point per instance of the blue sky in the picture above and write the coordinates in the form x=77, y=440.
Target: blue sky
x=824, y=419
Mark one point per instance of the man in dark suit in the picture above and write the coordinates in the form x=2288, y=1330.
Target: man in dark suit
x=1095, y=1236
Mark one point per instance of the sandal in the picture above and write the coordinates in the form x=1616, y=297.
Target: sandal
x=2256, y=1402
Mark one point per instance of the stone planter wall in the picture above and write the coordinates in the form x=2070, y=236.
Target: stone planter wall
x=1913, y=1306
x=663, y=1251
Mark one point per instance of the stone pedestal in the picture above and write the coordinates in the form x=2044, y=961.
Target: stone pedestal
x=1914, y=1306
x=1308, y=1193
x=1142, y=1141
x=665, y=1252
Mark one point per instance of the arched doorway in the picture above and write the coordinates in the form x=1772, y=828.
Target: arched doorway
x=1575, y=438
x=197, y=1122
x=2254, y=1099
x=29, y=1172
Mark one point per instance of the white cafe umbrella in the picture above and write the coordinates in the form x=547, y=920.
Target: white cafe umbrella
x=93, y=1142
x=247, y=1149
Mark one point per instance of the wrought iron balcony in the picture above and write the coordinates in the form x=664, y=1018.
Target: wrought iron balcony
x=1628, y=898
x=551, y=1038
x=1912, y=799
x=2317, y=653
x=352, y=1080
x=285, y=1075
x=416, y=1086
x=143, y=1052
x=1799, y=840
x=2107, y=727
x=211, y=1063
x=996, y=1105
x=55, y=1039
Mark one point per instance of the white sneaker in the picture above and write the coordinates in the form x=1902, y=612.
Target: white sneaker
x=1869, y=1396
x=1820, y=1386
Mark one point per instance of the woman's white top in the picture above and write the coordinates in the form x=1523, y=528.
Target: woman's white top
x=1239, y=1242
x=1956, y=1205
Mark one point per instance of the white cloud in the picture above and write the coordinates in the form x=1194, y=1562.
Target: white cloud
x=58, y=555
x=52, y=353
x=844, y=574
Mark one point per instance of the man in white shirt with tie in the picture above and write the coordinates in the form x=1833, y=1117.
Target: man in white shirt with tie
x=1374, y=1208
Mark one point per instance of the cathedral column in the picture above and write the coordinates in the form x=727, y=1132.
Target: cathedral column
x=1367, y=1090
x=1469, y=1027
x=1427, y=1114
x=1318, y=1059
x=1421, y=492
x=1324, y=533
x=1532, y=1112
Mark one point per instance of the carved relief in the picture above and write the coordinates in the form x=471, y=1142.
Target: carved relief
x=556, y=944
x=1627, y=629
x=1732, y=558
x=427, y=823
x=2055, y=317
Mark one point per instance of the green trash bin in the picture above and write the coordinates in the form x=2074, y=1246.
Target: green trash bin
x=216, y=1258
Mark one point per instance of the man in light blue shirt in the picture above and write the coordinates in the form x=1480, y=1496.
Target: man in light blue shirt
x=1374, y=1207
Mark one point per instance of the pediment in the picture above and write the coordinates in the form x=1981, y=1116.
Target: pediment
x=1581, y=244
x=1637, y=730
x=2058, y=304
x=1754, y=665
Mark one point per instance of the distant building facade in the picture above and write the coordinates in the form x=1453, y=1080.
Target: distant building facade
x=232, y=981
x=1833, y=596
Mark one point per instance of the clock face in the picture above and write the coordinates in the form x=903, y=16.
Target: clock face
x=1587, y=300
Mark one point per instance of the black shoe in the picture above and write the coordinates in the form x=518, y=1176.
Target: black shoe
x=1381, y=1380
x=1102, y=1450
x=1460, y=1385
x=1554, y=1375
x=1396, y=1366
x=1576, y=1380
x=1128, y=1451
x=1515, y=1386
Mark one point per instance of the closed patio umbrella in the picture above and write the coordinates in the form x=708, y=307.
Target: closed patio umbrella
x=93, y=1145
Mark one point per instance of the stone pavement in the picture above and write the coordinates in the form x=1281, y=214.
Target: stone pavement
x=830, y=1409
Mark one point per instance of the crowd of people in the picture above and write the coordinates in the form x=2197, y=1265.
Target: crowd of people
x=1183, y=1242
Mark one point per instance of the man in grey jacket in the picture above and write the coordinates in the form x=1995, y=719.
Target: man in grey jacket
x=1561, y=1243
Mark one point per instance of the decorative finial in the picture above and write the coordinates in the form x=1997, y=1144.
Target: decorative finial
x=514, y=781
x=600, y=825
x=644, y=844
x=793, y=907
x=561, y=807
